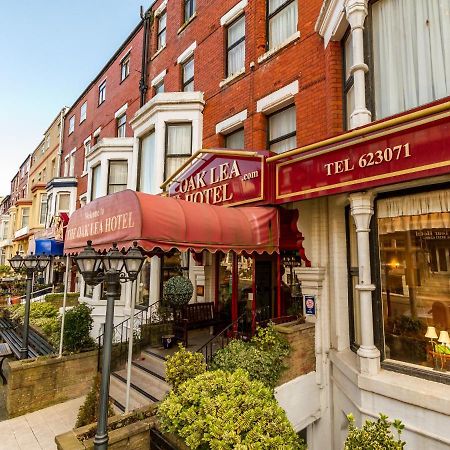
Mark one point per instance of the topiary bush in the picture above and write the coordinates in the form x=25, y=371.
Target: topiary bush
x=178, y=291
x=223, y=410
x=77, y=328
x=262, y=357
x=182, y=366
x=88, y=412
x=374, y=435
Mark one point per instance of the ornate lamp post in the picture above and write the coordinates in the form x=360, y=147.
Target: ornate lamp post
x=112, y=269
x=30, y=264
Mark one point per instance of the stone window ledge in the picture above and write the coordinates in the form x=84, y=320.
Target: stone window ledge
x=276, y=49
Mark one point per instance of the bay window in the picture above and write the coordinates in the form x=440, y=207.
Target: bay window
x=25, y=217
x=411, y=53
x=282, y=19
x=414, y=249
x=178, y=146
x=236, y=46
x=63, y=203
x=282, y=130
x=117, y=176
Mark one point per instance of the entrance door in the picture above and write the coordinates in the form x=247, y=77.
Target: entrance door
x=264, y=289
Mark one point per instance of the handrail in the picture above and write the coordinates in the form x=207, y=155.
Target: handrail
x=220, y=340
x=37, y=293
x=121, y=332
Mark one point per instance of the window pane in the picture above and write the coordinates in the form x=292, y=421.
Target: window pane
x=43, y=209
x=96, y=182
x=118, y=175
x=179, y=139
x=414, y=237
x=236, y=59
x=236, y=31
x=63, y=202
x=188, y=70
x=282, y=125
x=159, y=88
x=348, y=50
x=147, y=153
x=173, y=164
x=283, y=25
x=235, y=140
x=411, y=54
x=350, y=105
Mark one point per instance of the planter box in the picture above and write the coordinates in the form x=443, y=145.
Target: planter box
x=135, y=435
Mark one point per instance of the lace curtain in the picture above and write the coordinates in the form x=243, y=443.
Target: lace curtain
x=411, y=48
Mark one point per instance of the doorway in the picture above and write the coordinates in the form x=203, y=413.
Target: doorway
x=265, y=291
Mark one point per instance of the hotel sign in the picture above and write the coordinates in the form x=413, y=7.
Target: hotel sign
x=222, y=179
x=412, y=151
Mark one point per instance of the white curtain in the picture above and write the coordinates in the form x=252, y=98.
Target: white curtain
x=179, y=143
x=146, y=162
x=414, y=212
x=411, y=45
x=284, y=24
x=235, y=140
x=282, y=124
x=236, y=55
x=188, y=74
x=96, y=182
x=118, y=175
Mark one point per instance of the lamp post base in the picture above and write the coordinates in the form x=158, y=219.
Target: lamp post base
x=101, y=442
x=23, y=353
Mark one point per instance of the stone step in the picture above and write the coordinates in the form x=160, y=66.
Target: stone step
x=145, y=383
x=152, y=363
x=117, y=392
x=150, y=376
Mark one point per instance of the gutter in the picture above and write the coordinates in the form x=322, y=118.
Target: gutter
x=147, y=18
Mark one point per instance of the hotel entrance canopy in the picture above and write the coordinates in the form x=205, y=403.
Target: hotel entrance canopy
x=160, y=223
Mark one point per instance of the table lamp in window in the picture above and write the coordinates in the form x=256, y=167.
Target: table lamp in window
x=444, y=339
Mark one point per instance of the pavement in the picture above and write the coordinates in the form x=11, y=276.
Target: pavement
x=37, y=430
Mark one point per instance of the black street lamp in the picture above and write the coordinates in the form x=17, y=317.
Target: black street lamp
x=30, y=264
x=112, y=269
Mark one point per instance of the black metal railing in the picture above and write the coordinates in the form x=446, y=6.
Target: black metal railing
x=36, y=294
x=150, y=315
x=236, y=330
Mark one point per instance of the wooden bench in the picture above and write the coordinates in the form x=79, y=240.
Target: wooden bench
x=193, y=316
x=5, y=351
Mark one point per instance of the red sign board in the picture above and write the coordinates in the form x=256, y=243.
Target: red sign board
x=223, y=179
x=385, y=157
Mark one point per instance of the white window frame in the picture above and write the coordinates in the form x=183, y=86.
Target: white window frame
x=83, y=112
x=72, y=124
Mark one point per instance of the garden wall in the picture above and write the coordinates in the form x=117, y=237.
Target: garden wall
x=302, y=358
x=37, y=383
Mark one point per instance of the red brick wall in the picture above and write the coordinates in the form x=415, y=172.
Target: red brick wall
x=117, y=94
x=318, y=103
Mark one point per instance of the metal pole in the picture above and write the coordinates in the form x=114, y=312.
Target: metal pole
x=26, y=319
x=112, y=283
x=130, y=350
x=66, y=282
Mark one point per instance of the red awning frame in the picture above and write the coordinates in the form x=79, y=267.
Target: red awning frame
x=162, y=224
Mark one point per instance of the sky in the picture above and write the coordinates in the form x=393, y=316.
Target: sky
x=49, y=52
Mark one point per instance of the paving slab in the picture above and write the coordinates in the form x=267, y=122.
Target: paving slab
x=37, y=430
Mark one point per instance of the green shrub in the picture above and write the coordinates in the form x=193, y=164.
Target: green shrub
x=88, y=412
x=183, y=366
x=57, y=299
x=77, y=326
x=38, y=310
x=223, y=410
x=262, y=357
x=374, y=435
x=178, y=291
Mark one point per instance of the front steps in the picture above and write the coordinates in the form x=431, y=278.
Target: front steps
x=148, y=383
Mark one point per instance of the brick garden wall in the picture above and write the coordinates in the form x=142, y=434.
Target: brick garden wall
x=43, y=382
x=302, y=358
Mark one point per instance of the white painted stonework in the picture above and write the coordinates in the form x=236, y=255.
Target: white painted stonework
x=278, y=98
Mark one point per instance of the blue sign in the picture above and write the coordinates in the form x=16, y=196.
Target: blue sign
x=310, y=305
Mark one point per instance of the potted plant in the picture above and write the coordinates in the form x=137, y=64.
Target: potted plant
x=178, y=291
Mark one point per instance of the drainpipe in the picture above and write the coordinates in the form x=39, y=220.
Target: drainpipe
x=147, y=17
x=61, y=140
